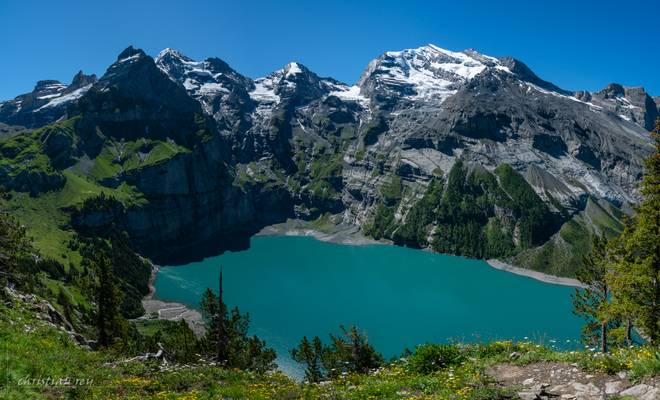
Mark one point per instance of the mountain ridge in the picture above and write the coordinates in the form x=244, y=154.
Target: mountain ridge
x=215, y=154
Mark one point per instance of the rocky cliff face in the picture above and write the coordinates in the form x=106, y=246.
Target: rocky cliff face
x=193, y=206
x=48, y=102
x=215, y=153
x=632, y=104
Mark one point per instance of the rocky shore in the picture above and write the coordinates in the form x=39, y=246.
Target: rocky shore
x=340, y=234
x=172, y=311
x=540, y=276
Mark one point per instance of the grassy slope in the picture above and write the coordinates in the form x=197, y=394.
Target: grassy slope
x=124, y=156
x=32, y=349
x=44, y=215
x=46, y=220
x=564, y=251
x=47, y=224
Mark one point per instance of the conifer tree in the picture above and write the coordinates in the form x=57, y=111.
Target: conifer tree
x=14, y=246
x=592, y=301
x=348, y=352
x=635, y=277
x=227, y=335
x=310, y=353
x=108, y=320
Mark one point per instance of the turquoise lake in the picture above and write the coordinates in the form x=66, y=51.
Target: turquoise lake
x=296, y=286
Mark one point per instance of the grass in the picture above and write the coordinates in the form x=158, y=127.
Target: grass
x=46, y=220
x=392, y=190
x=35, y=350
x=78, y=300
x=149, y=327
x=163, y=151
x=608, y=221
x=23, y=154
x=123, y=156
x=324, y=223
x=103, y=165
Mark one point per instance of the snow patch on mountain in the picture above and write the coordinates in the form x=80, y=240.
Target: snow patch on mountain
x=292, y=69
x=431, y=72
x=264, y=91
x=205, y=81
x=63, y=99
x=351, y=93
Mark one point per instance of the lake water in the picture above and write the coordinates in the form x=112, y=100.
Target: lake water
x=296, y=286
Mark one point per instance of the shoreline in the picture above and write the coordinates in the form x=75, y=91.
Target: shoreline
x=539, y=276
x=338, y=234
x=167, y=310
x=351, y=235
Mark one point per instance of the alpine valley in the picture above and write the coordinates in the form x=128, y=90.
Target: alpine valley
x=430, y=148
x=170, y=161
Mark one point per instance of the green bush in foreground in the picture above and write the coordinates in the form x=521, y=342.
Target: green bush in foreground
x=434, y=357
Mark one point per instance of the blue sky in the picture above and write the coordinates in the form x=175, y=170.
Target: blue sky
x=575, y=44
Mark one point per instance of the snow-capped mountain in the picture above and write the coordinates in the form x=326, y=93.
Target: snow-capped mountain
x=46, y=103
x=211, y=82
x=426, y=105
x=306, y=145
x=427, y=74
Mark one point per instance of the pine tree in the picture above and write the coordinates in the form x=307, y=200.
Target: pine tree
x=221, y=330
x=622, y=283
x=178, y=340
x=310, y=354
x=592, y=301
x=215, y=310
x=109, y=322
x=348, y=352
x=14, y=246
x=227, y=335
x=635, y=278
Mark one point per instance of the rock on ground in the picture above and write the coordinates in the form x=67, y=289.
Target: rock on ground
x=555, y=380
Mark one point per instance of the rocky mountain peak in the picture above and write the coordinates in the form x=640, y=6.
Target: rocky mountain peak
x=131, y=65
x=219, y=65
x=171, y=54
x=130, y=52
x=47, y=89
x=198, y=77
x=294, y=84
x=221, y=91
x=632, y=104
x=524, y=73
x=48, y=102
x=80, y=79
x=611, y=91
x=134, y=98
x=293, y=68
x=48, y=85
x=428, y=74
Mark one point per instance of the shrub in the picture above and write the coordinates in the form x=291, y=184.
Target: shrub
x=604, y=363
x=495, y=349
x=647, y=364
x=434, y=357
